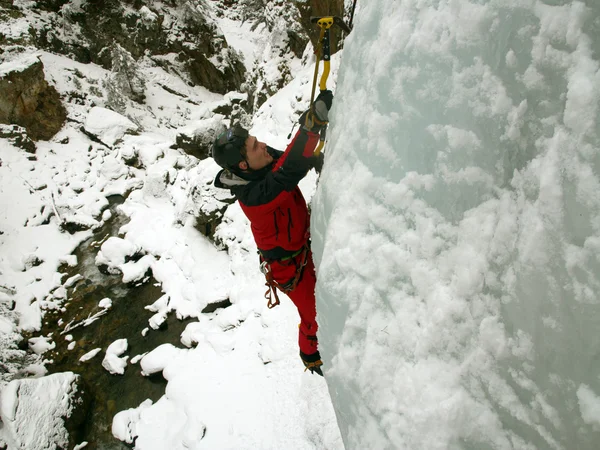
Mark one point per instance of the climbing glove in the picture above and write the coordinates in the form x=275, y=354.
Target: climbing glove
x=317, y=162
x=326, y=97
x=318, y=117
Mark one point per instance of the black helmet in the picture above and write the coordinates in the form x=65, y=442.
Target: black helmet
x=227, y=148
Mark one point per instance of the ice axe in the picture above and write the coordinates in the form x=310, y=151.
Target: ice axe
x=323, y=52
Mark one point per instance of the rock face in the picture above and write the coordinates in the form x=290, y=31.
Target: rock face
x=26, y=99
x=42, y=413
x=289, y=23
x=178, y=35
x=320, y=8
x=197, y=138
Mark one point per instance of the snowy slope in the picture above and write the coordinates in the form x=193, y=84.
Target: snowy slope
x=243, y=382
x=235, y=379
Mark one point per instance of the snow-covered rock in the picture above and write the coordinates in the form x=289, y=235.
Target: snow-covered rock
x=124, y=422
x=112, y=360
x=196, y=139
x=41, y=345
x=105, y=303
x=36, y=412
x=108, y=126
x=157, y=359
x=114, y=253
x=17, y=136
x=89, y=355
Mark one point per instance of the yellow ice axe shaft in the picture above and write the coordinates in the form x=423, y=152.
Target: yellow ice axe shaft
x=323, y=52
x=325, y=23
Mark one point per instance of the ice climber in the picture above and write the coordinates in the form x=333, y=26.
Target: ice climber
x=265, y=182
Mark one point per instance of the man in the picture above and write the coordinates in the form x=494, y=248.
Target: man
x=265, y=182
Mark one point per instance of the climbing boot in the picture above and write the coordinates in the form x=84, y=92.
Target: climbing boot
x=312, y=362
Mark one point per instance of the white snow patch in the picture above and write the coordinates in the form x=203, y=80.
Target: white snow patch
x=89, y=355
x=157, y=359
x=32, y=411
x=107, y=125
x=41, y=344
x=112, y=360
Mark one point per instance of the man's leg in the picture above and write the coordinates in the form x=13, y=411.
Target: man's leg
x=303, y=296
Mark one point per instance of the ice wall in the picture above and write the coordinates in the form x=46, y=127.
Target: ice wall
x=456, y=227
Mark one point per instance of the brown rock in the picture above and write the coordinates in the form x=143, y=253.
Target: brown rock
x=26, y=99
x=320, y=8
x=181, y=28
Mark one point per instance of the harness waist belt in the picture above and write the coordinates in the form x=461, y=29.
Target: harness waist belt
x=270, y=255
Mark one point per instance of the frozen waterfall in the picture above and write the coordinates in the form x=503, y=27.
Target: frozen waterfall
x=456, y=227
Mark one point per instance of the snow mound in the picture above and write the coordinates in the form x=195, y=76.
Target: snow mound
x=114, y=253
x=124, y=422
x=157, y=359
x=112, y=360
x=107, y=125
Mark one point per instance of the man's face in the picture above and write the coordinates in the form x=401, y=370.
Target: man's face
x=257, y=155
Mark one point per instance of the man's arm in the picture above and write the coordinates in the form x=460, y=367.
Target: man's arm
x=297, y=159
x=290, y=168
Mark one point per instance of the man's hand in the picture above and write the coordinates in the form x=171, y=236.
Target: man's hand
x=317, y=162
x=322, y=105
x=319, y=116
x=326, y=97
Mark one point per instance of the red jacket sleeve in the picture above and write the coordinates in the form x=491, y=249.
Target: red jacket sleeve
x=289, y=169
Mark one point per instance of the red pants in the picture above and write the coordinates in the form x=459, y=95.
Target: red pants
x=303, y=297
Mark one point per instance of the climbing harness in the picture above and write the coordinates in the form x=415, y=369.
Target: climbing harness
x=322, y=52
x=272, y=285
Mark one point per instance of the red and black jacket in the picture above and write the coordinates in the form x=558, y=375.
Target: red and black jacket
x=273, y=203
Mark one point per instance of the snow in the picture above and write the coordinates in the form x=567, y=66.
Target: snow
x=18, y=65
x=455, y=229
x=147, y=14
x=137, y=358
x=243, y=39
x=15, y=29
x=108, y=125
x=105, y=303
x=41, y=345
x=32, y=411
x=6, y=326
x=157, y=359
x=123, y=426
x=113, y=362
x=113, y=253
x=89, y=355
